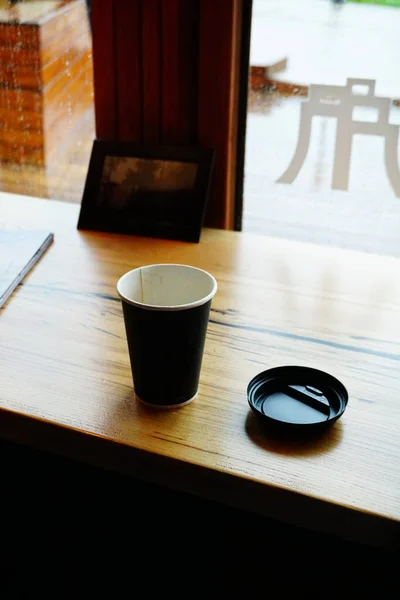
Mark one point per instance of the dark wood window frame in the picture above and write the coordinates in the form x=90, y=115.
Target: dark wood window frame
x=175, y=71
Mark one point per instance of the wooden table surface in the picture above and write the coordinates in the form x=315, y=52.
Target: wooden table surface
x=66, y=384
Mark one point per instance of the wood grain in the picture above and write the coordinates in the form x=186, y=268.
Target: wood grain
x=48, y=73
x=19, y=56
x=32, y=139
x=104, y=69
x=22, y=156
x=22, y=120
x=66, y=382
x=60, y=139
x=219, y=63
x=75, y=38
x=151, y=70
x=64, y=176
x=179, y=50
x=26, y=99
x=71, y=60
x=127, y=17
x=12, y=34
x=68, y=18
x=20, y=76
x=72, y=88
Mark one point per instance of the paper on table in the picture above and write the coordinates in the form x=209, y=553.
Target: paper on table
x=19, y=252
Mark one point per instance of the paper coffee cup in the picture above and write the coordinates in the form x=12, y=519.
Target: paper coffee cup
x=166, y=309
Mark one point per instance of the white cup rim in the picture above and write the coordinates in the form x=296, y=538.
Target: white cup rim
x=173, y=307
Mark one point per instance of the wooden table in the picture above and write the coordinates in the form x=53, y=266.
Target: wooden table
x=66, y=384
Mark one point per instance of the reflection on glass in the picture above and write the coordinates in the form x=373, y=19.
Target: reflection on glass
x=46, y=97
x=297, y=45
x=134, y=184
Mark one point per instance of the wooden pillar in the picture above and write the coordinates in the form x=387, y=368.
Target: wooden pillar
x=167, y=72
x=219, y=73
x=104, y=69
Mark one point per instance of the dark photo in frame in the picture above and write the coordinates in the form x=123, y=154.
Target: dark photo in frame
x=150, y=191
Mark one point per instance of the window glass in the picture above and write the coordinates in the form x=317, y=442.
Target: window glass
x=322, y=148
x=46, y=97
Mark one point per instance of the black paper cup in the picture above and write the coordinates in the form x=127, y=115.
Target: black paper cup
x=166, y=310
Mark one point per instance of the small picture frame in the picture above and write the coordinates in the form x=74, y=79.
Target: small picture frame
x=153, y=191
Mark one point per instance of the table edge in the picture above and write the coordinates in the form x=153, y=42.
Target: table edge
x=227, y=488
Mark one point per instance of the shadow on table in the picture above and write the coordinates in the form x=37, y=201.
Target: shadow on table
x=289, y=443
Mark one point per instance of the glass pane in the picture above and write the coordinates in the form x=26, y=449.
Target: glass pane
x=46, y=97
x=322, y=152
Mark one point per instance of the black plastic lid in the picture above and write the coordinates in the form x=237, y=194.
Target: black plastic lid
x=297, y=397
